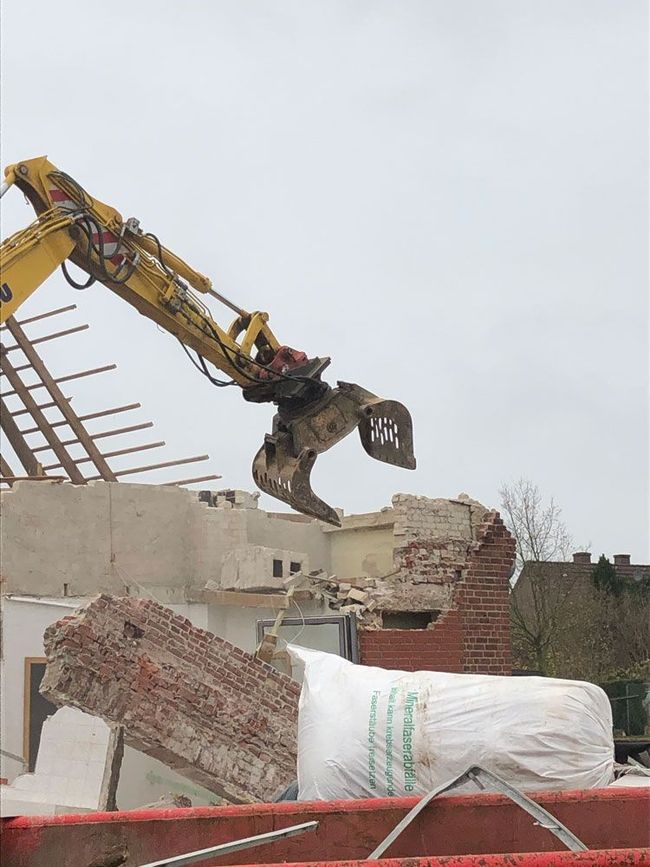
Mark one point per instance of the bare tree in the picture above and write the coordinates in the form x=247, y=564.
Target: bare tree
x=592, y=625
x=605, y=632
x=538, y=528
x=538, y=608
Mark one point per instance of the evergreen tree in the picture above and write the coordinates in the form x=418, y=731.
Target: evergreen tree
x=605, y=578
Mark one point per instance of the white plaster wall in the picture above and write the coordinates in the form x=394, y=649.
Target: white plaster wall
x=23, y=625
x=239, y=625
x=196, y=613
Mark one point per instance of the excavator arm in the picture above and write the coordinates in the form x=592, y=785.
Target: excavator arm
x=312, y=416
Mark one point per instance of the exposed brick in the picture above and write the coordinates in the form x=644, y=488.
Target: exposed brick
x=483, y=599
x=454, y=556
x=204, y=707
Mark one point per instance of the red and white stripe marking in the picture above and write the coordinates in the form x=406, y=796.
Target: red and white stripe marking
x=113, y=251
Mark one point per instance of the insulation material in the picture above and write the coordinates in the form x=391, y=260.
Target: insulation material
x=367, y=732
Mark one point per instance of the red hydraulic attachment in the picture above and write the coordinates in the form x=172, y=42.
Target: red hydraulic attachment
x=284, y=360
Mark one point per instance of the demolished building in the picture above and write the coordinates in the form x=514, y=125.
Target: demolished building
x=422, y=584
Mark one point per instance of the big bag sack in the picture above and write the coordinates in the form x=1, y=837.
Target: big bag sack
x=366, y=732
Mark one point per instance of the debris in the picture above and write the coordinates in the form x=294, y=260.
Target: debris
x=294, y=580
x=267, y=647
x=171, y=799
x=347, y=597
x=267, y=650
x=357, y=595
x=206, y=708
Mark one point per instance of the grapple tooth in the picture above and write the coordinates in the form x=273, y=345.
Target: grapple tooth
x=281, y=475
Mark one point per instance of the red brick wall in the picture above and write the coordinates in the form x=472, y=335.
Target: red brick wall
x=439, y=648
x=483, y=600
x=474, y=634
x=204, y=707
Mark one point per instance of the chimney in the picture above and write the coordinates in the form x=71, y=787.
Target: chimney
x=621, y=559
x=583, y=557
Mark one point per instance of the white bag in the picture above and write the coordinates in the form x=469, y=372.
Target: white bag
x=366, y=732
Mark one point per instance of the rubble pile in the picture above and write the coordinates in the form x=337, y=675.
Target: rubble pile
x=352, y=596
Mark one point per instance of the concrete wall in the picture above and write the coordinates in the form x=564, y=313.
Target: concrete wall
x=274, y=531
x=106, y=537
x=62, y=539
x=253, y=567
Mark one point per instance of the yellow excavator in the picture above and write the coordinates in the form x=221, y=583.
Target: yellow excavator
x=311, y=415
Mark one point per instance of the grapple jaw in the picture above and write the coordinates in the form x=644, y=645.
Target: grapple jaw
x=282, y=467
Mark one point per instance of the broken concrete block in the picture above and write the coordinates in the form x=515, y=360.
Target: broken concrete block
x=357, y=595
x=267, y=648
x=210, y=711
x=77, y=768
x=255, y=567
x=296, y=580
x=236, y=499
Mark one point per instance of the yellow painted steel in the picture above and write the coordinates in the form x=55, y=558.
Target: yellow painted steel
x=73, y=225
x=29, y=257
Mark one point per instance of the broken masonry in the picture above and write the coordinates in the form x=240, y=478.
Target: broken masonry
x=199, y=704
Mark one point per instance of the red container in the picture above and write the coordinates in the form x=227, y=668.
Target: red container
x=614, y=822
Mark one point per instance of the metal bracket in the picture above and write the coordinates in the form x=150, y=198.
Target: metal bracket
x=482, y=778
x=234, y=846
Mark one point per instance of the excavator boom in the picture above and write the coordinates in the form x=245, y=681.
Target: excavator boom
x=311, y=416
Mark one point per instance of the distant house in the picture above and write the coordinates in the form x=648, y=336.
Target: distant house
x=580, y=569
x=565, y=626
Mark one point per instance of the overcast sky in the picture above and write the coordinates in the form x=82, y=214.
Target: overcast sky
x=449, y=198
